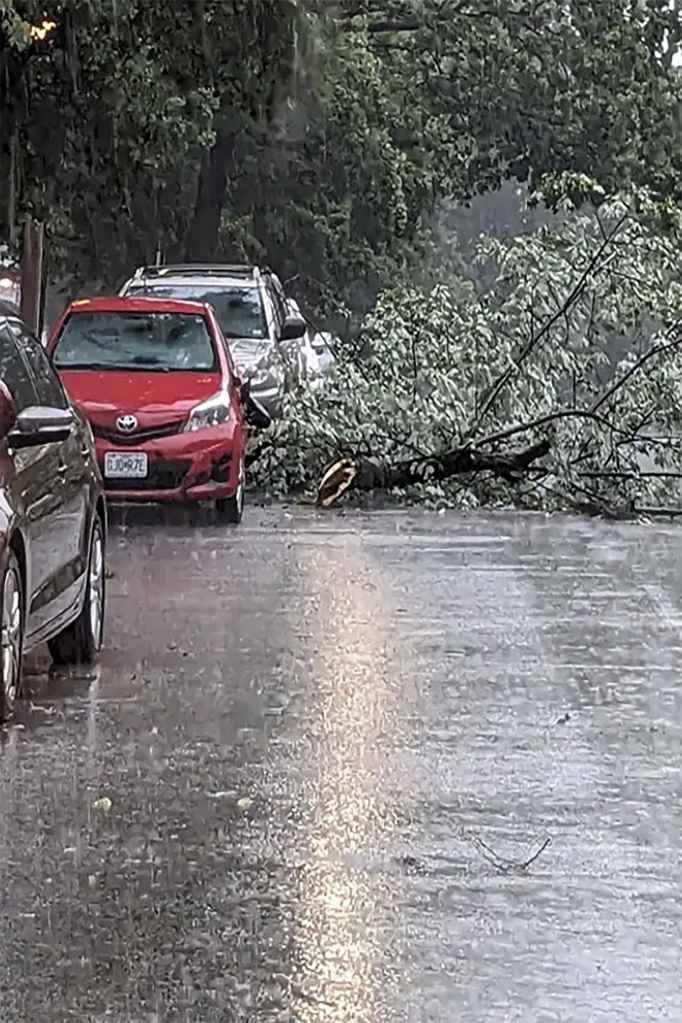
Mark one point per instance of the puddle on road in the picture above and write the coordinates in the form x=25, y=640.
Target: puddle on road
x=291, y=789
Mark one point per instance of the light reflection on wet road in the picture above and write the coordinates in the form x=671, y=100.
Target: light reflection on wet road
x=303, y=727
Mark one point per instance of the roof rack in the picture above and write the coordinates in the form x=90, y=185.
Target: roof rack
x=217, y=269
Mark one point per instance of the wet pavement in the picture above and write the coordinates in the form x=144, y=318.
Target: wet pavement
x=300, y=783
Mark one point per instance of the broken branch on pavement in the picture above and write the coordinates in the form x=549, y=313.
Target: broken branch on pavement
x=361, y=473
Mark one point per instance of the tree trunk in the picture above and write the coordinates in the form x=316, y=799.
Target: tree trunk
x=204, y=231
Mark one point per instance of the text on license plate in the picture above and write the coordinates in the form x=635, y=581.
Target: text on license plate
x=125, y=465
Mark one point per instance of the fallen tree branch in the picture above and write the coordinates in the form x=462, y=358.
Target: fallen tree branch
x=642, y=361
x=367, y=474
x=502, y=862
x=613, y=474
x=660, y=513
x=551, y=417
x=529, y=347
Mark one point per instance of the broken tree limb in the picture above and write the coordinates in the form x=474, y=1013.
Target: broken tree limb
x=601, y=256
x=652, y=353
x=362, y=473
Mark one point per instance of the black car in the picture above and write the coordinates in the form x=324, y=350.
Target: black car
x=53, y=517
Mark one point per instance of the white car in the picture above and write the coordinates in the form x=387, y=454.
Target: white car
x=308, y=353
x=266, y=337
x=318, y=348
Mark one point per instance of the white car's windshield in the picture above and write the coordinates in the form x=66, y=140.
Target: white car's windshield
x=239, y=311
x=135, y=341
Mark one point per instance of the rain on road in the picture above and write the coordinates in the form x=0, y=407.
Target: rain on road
x=267, y=803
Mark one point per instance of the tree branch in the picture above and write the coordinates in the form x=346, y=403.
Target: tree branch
x=365, y=474
x=394, y=27
x=502, y=862
x=535, y=339
x=551, y=417
x=642, y=361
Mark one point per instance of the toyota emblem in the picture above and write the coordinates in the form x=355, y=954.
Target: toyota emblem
x=126, y=424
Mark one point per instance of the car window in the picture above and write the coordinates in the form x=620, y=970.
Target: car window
x=48, y=386
x=136, y=341
x=278, y=302
x=239, y=310
x=15, y=372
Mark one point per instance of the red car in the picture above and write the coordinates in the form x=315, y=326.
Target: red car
x=168, y=411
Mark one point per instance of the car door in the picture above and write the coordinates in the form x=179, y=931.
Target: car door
x=39, y=489
x=71, y=516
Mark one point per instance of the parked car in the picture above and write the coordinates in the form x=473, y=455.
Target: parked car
x=323, y=344
x=53, y=519
x=268, y=342
x=10, y=279
x=319, y=342
x=168, y=410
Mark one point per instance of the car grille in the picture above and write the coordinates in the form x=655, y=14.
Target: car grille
x=114, y=436
x=163, y=475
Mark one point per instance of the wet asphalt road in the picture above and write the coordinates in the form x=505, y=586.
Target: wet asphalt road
x=269, y=801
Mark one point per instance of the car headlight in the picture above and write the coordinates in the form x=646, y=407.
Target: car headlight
x=213, y=412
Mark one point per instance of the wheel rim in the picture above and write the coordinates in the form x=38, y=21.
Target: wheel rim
x=96, y=586
x=11, y=636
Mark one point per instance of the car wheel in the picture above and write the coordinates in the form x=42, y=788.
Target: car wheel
x=12, y=637
x=231, y=509
x=81, y=641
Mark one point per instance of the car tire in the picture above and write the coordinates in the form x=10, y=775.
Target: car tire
x=81, y=641
x=231, y=509
x=11, y=653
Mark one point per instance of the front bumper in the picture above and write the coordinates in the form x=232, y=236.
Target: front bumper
x=200, y=466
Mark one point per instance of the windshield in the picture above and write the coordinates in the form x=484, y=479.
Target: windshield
x=135, y=341
x=239, y=311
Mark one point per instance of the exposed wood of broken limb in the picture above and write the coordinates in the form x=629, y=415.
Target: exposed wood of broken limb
x=362, y=473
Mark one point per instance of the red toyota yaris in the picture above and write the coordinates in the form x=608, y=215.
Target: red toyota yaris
x=168, y=411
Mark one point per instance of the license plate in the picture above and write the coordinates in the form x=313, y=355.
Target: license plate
x=125, y=465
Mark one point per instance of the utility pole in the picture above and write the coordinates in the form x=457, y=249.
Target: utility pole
x=32, y=274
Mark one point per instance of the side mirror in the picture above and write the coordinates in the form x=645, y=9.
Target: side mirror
x=294, y=327
x=8, y=412
x=40, y=424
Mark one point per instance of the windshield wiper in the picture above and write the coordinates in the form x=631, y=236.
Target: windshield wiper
x=83, y=365
x=134, y=363
x=234, y=335
x=141, y=360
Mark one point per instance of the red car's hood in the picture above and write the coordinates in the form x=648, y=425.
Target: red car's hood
x=153, y=397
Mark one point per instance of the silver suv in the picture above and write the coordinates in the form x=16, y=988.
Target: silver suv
x=267, y=338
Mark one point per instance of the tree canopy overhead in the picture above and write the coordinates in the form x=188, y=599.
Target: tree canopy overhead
x=319, y=136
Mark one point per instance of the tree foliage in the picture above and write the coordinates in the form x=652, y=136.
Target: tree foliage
x=521, y=87
x=318, y=136
x=334, y=139
x=110, y=122
x=514, y=393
